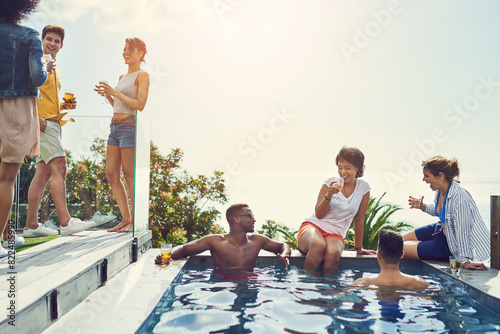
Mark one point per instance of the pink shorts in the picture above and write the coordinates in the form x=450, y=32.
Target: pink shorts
x=19, y=129
x=307, y=225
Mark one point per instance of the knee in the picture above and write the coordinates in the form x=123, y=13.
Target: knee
x=332, y=259
x=112, y=177
x=317, y=248
x=409, y=236
x=59, y=169
x=128, y=176
x=43, y=175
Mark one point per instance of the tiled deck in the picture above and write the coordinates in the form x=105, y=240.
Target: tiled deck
x=50, y=279
x=126, y=300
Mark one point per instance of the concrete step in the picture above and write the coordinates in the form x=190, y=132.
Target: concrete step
x=124, y=302
x=44, y=282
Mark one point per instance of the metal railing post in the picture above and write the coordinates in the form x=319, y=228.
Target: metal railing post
x=495, y=229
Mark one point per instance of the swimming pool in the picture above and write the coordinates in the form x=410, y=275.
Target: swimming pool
x=272, y=300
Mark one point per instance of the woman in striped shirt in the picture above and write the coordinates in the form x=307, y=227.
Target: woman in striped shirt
x=460, y=232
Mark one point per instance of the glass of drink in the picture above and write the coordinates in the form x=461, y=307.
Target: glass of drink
x=45, y=59
x=338, y=185
x=68, y=97
x=166, y=252
x=101, y=89
x=415, y=201
x=455, y=264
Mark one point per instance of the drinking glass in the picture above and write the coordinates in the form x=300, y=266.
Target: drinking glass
x=455, y=264
x=415, y=201
x=101, y=83
x=68, y=96
x=45, y=59
x=338, y=185
x=166, y=252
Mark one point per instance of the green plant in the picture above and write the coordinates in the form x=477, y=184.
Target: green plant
x=290, y=237
x=179, y=209
x=271, y=230
x=376, y=218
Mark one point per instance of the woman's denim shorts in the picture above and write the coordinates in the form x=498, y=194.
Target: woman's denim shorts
x=122, y=134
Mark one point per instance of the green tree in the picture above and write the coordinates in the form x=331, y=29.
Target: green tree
x=376, y=218
x=180, y=208
x=86, y=181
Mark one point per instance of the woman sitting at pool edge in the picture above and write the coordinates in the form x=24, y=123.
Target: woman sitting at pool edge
x=321, y=236
x=460, y=232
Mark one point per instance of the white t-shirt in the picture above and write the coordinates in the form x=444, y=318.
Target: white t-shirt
x=342, y=210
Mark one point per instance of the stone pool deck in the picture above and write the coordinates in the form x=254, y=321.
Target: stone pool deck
x=42, y=284
x=124, y=302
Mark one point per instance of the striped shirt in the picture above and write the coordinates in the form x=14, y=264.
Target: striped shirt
x=467, y=234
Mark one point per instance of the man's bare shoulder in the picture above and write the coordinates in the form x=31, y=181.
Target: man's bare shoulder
x=258, y=236
x=214, y=238
x=416, y=282
x=364, y=281
x=404, y=281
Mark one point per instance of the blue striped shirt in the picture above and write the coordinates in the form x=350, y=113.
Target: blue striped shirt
x=467, y=235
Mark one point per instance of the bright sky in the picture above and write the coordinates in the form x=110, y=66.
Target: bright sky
x=269, y=91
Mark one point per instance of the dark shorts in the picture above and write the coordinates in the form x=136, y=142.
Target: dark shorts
x=122, y=134
x=433, y=245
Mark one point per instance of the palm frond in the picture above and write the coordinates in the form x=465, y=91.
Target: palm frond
x=377, y=217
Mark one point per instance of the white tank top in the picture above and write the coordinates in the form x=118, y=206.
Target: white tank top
x=126, y=87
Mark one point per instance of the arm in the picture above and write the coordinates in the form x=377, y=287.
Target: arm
x=428, y=208
x=359, y=225
x=142, y=93
x=460, y=212
x=324, y=198
x=193, y=247
x=38, y=74
x=281, y=249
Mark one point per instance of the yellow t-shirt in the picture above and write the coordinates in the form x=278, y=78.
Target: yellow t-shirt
x=49, y=106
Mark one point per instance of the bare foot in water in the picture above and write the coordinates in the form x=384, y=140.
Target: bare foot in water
x=128, y=228
x=118, y=227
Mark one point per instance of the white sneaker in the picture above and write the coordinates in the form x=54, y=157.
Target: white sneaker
x=50, y=224
x=75, y=225
x=40, y=231
x=3, y=252
x=11, y=244
x=100, y=219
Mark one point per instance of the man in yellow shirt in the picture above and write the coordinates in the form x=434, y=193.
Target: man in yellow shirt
x=51, y=164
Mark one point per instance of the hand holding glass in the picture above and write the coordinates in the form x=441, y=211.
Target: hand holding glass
x=101, y=90
x=166, y=253
x=338, y=185
x=46, y=58
x=415, y=201
x=69, y=102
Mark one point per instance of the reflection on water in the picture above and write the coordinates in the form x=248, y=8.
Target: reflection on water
x=294, y=301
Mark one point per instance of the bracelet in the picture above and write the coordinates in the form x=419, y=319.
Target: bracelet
x=357, y=248
x=328, y=199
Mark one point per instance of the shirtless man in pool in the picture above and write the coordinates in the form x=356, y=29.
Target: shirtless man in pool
x=390, y=251
x=236, y=249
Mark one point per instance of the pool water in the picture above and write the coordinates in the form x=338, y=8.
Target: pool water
x=272, y=300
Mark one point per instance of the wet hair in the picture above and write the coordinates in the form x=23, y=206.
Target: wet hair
x=439, y=164
x=233, y=210
x=14, y=11
x=390, y=245
x=353, y=156
x=55, y=29
x=139, y=44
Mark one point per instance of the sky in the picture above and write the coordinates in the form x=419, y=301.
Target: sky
x=269, y=91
